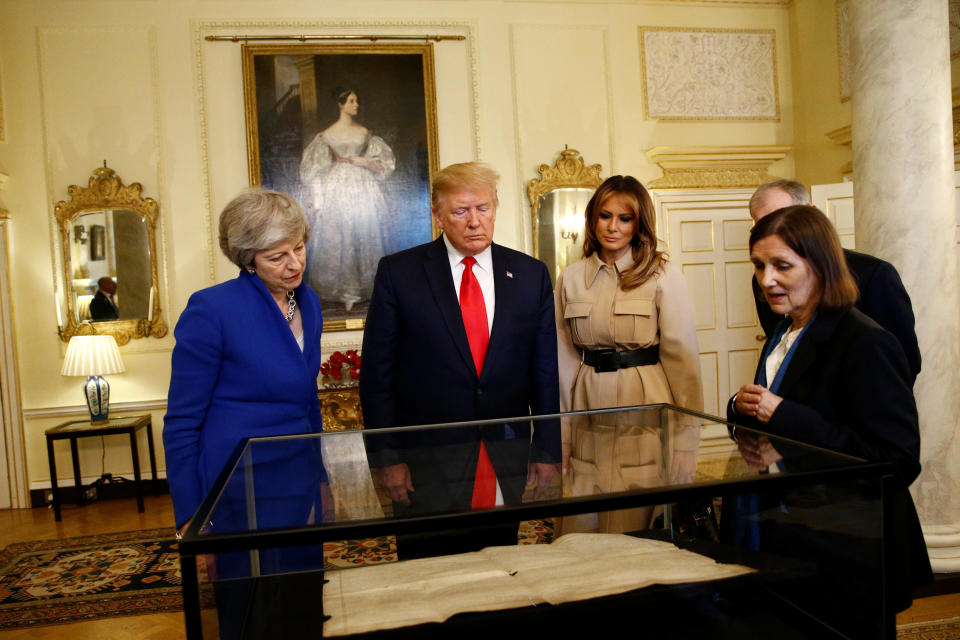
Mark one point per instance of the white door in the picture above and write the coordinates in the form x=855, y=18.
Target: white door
x=836, y=200
x=707, y=233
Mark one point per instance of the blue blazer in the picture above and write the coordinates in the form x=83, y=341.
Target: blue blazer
x=238, y=372
x=417, y=369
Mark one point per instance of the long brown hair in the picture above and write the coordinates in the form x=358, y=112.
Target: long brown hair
x=811, y=236
x=643, y=244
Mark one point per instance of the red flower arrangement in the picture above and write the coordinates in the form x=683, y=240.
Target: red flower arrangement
x=340, y=364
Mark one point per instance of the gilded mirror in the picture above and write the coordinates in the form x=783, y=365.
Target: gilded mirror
x=558, y=199
x=108, y=244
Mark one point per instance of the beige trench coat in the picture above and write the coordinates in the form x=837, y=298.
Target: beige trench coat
x=616, y=454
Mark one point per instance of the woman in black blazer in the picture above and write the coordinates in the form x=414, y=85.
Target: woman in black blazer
x=830, y=376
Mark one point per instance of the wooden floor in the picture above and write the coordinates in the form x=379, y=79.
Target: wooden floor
x=108, y=516
x=21, y=525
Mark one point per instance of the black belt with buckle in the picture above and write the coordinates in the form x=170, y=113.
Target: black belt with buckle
x=604, y=360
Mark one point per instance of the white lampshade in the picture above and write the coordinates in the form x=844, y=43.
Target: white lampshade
x=92, y=356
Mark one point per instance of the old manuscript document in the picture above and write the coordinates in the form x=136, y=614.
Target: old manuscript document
x=577, y=566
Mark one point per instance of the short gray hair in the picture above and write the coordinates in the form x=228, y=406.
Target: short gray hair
x=796, y=190
x=257, y=219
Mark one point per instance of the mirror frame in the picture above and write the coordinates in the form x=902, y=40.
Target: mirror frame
x=105, y=191
x=569, y=171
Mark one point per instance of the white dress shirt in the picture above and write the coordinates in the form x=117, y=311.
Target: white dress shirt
x=483, y=271
x=779, y=354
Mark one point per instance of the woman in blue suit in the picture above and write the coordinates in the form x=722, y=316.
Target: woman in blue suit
x=246, y=364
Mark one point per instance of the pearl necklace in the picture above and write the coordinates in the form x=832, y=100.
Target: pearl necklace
x=291, y=306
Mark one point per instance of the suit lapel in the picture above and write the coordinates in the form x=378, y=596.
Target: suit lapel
x=281, y=337
x=808, y=350
x=437, y=268
x=504, y=305
x=308, y=312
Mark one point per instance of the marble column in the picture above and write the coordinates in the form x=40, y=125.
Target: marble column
x=904, y=195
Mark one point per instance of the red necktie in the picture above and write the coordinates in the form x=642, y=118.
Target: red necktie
x=474, y=313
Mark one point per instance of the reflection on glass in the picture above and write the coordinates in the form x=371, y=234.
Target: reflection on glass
x=806, y=539
x=110, y=257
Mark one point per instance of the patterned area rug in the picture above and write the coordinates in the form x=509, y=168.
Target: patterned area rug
x=946, y=629
x=136, y=573
x=72, y=579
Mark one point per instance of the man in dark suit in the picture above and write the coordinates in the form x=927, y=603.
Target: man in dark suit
x=102, y=306
x=432, y=354
x=882, y=295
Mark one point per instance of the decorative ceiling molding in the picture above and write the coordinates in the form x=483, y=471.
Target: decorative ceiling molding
x=709, y=167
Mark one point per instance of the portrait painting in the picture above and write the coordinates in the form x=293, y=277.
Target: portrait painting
x=350, y=132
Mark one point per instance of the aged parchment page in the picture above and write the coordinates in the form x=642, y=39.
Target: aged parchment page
x=576, y=566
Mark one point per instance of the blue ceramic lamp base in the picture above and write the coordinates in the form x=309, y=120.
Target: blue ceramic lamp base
x=97, y=392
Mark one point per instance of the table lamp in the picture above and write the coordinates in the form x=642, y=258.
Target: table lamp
x=93, y=356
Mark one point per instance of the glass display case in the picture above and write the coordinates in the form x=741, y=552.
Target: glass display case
x=375, y=534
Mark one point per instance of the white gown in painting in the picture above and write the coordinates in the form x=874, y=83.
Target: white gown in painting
x=347, y=212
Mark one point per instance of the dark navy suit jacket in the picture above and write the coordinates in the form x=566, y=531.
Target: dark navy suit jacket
x=238, y=372
x=417, y=369
x=101, y=308
x=882, y=297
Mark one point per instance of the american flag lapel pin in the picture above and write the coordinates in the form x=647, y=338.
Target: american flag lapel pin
x=509, y=274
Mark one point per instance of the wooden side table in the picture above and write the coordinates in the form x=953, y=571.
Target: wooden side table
x=76, y=429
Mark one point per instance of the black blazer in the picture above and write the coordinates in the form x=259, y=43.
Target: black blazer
x=848, y=388
x=101, y=308
x=417, y=369
x=882, y=297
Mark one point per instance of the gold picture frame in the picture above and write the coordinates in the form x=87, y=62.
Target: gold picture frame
x=127, y=255
x=361, y=170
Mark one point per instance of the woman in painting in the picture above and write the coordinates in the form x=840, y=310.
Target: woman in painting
x=342, y=169
x=626, y=337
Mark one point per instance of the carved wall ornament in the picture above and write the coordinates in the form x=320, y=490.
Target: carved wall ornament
x=715, y=167
x=569, y=171
x=709, y=74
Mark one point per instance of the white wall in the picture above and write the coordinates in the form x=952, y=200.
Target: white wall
x=134, y=83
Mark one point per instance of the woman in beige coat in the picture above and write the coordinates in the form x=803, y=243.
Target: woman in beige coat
x=626, y=337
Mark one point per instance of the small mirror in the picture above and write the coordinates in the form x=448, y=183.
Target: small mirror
x=107, y=231
x=558, y=200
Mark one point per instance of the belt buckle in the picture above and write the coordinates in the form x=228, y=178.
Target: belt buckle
x=607, y=360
